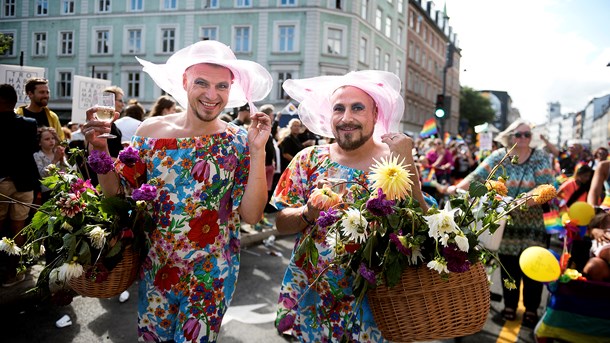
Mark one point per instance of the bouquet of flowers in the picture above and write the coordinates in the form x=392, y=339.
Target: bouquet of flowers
x=377, y=231
x=83, y=232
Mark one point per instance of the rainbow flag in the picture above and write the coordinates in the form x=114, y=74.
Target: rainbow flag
x=429, y=128
x=460, y=140
x=552, y=222
x=428, y=177
x=447, y=138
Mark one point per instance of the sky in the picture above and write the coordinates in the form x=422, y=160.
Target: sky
x=539, y=51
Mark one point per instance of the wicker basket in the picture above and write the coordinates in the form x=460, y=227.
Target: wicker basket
x=119, y=278
x=423, y=307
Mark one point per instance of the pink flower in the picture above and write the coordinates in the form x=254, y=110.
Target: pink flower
x=201, y=171
x=191, y=329
x=70, y=204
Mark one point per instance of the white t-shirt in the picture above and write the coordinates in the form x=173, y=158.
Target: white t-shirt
x=128, y=127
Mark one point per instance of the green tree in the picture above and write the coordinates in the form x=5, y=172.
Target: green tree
x=475, y=108
x=5, y=42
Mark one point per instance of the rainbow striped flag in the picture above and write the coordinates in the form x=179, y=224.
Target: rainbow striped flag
x=460, y=140
x=447, y=138
x=552, y=222
x=428, y=177
x=429, y=128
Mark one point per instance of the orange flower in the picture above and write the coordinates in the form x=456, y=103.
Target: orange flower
x=544, y=193
x=497, y=186
x=324, y=198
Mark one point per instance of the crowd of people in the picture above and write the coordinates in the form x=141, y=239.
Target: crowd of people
x=215, y=170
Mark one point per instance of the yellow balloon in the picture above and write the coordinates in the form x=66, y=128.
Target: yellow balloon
x=565, y=218
x=539, y=264
x=581, y=212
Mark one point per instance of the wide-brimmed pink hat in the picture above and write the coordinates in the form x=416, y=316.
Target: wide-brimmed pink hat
x=251, y=81
x=315, y=108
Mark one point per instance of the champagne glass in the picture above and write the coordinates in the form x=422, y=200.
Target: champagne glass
x=105, y=110
x=337, y=177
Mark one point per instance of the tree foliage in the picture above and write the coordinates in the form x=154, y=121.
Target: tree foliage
x=5, y=43
x=475, y=108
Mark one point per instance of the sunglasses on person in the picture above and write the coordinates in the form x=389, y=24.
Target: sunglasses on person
x=525, y=134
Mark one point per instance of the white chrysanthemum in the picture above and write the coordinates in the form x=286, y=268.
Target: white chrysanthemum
x=441, y=223
x=354, y=225
x=9, y=246
x=462, y=242
x=29, y=250
x=98, y=237
x=68, y=271
x=439, y=265
x=416, y=256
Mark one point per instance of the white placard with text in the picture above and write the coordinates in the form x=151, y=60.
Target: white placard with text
x=85, y=89
x=17, y=76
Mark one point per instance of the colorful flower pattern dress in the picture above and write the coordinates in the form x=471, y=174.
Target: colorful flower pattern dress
x=328, y=310
x=190, y=272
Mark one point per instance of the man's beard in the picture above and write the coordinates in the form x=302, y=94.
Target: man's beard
x=347, y=142
x=41, y=102
x=205, y=118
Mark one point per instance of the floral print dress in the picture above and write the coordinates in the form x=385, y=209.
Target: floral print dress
x=327, y=310
x=190, y=272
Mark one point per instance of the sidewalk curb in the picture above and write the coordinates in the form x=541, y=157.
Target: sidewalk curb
x=250, y=239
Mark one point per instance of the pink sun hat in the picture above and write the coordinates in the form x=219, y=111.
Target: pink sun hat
x=252, y=82
x=315, y=108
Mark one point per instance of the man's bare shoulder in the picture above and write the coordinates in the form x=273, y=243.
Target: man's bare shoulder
x=156, y=126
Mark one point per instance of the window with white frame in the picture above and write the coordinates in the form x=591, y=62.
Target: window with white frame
x=243, y=3
x=210, y=3
x=134, y=40
x=364, y=9
x=377, y=58
x=103, y=6
x=168, y=40
x=10, y=50
x=286, y=34
x=288, y=2
x=334, y=41
x=241, y=39
x=133, y=89
x=386, y=62
x=363, y=50
x=170, y=5
x=399, y=32
x=40, y=44
x=66, y=43
x=281, y=77
x=378, y=18
x=397, y=67
x=67, y=7
x=399, y=5
x=42, y=7
x=102, y=73
x=136, y=5
x=208, y=33
x=8, y=8
x=411, y=50
x=64, y=84
x=102, y=41
x=388, y=27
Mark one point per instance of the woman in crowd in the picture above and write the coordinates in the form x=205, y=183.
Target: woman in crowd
x=163, y=106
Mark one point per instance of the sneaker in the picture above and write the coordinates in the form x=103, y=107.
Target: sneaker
x=13, y=281
x=63, y=321
x=265, y=222
x=124, y=296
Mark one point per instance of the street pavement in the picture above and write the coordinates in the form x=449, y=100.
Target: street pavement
x=24, y=318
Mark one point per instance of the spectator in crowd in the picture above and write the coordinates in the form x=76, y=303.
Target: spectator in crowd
x=577, y=187
x=164, y=105
x=207, y=175
x=51, y=152
x=37, y=89
x=290, y=144
x=600, y=154
x=441, y=160
x=243, y=116
x=129, y=121
x=18, y=174
x=599, y=193
x=598, y=266
x=270, y=165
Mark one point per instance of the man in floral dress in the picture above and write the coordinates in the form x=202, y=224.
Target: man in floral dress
x=362, y=111
x=209, y=176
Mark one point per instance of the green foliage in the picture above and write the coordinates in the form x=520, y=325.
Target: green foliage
x=5, y=43
x=475, y=108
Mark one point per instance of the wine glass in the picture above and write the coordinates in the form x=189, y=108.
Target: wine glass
x=337, y=177
x=105, y=110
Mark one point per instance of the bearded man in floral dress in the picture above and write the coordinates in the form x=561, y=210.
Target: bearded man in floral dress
x=209, y=176
x=362, y=111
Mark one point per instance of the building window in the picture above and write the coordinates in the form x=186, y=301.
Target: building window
x=67, y=7
x=8, y=8
x=243, y=3
x=136, y=5
x=42, y=7
x=397, y=68
x=101, y=75
x=377, y=58
x=64, y=84
x=288, y=3
x=133, y=84
x=210, y=3
x=388, y=27
x=286, y=38
x=364, y=9
x=362, y=52
x=66, y=43
x=170, y=5
x=168, y=40
x=378, y=16
x=103, y=6
x=338, y=4
x=386, y=62
x=334, y=41
x=40, y=43
x=134, y=41
x=399, y=5
x=102, y=42
x=10, y=50
x=209, y=33
x=241, y=39
x=281, y=77
x=399, y=31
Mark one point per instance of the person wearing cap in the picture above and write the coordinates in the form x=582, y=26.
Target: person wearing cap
x=209, y=176
x=362, y=111
x=243, y=116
